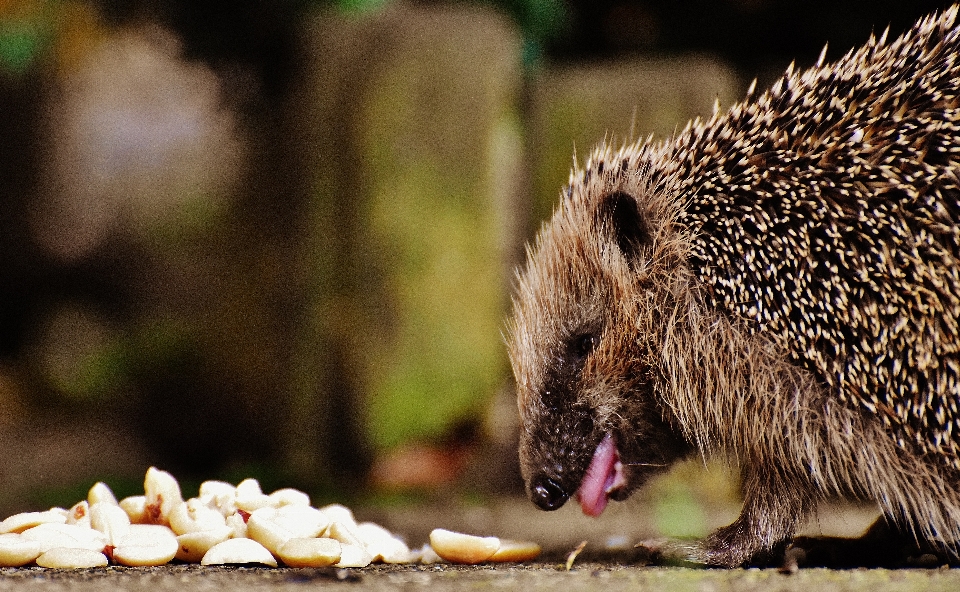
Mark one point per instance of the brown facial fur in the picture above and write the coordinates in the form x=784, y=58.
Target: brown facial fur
x=667, y=326
x=582, y=286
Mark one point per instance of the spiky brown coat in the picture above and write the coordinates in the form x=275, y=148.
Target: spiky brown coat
x=779, y=284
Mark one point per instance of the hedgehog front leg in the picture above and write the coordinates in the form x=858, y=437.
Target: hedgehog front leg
x=773, y=508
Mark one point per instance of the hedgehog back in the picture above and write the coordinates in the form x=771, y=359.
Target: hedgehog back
x=827, y=214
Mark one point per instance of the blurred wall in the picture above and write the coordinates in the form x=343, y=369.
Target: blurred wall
x=577, y=106
x=407, y=127
x=225, y=271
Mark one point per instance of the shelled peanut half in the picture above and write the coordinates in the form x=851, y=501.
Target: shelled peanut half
x=224, y=524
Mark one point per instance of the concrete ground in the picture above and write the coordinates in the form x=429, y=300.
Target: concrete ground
x=586, y=576
x=609, y=561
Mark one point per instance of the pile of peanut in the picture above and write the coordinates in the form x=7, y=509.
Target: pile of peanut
x=223, y=525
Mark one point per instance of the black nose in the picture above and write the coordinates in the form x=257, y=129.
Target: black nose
x=547, y=493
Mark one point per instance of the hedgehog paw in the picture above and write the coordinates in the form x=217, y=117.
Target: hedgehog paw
x=737, y=546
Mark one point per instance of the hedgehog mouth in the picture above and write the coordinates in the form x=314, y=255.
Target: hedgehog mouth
x=604, y=478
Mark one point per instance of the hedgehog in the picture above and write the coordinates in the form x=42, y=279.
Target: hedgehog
x=777, y=285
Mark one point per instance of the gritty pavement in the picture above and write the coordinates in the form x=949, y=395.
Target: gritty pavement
x=610, y=561
x=588, y=577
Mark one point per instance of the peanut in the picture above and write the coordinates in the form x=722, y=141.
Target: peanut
x=145, y=545
x=70, y=536
x=23, y=521
x=220, y=495
x=345, y=533
x=310, y=552
x=69, y=558
x=238, y=525
x=225, y=524
x=163, y=495
x=382, y=545
x=16, y=551
x=111, y=520
x=339, y=513
x=428, y=555
x=272, y=527
x=136, y=508
x=457, y=547
x=79, y=514
x=516, y=551
x=101, y=493
x=353, y=556
x=250, y=497
x=193, y=516
x=238, y=551
x=194, y=545
x=289, y=497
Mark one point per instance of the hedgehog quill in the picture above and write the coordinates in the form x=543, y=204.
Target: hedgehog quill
x=778, y=285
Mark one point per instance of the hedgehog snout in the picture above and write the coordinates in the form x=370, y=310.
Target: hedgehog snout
x=547, y=493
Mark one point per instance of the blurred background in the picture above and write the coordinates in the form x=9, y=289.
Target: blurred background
x=276, y=238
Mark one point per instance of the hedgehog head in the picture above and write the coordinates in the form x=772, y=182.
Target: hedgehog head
x=582, y=343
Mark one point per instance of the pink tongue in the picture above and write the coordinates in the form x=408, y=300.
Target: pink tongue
x=603, y=475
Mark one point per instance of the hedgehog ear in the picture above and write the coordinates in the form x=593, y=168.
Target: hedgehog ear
x=619, y=212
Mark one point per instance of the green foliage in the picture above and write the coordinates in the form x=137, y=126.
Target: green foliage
x=432, y=233
x=677, y=511
x=442, y=277
x=688, y=500
x=104, y=367
x=539, y=21
x=21, y=43
x=360, y=5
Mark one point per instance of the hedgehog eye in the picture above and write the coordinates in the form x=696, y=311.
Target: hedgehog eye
x=561, y=380
x=581, y=346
